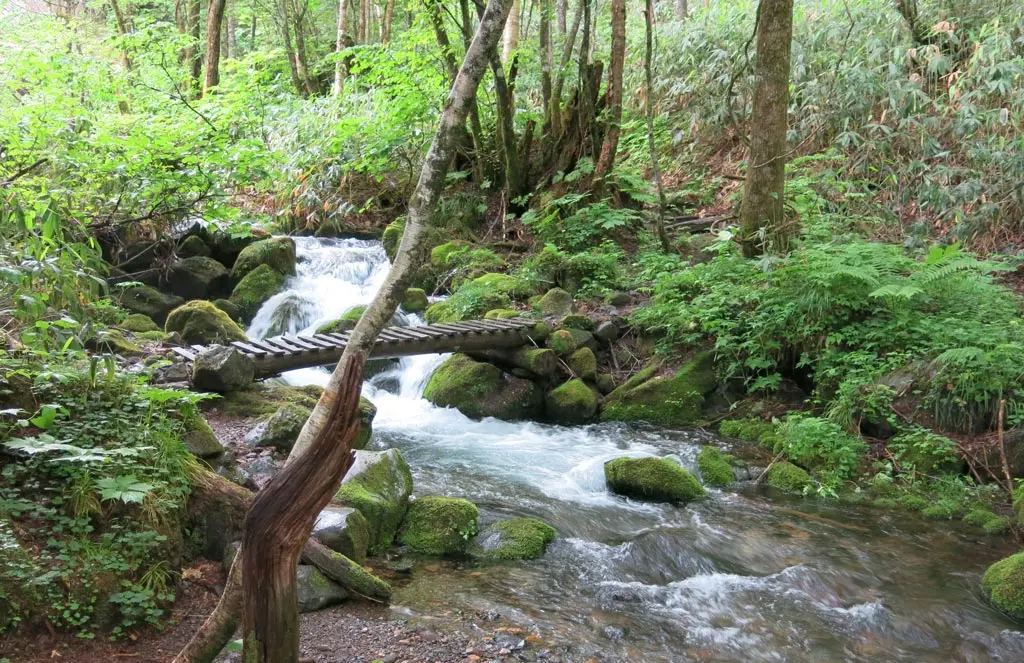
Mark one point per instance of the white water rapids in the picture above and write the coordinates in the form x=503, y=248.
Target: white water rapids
x=739, y=576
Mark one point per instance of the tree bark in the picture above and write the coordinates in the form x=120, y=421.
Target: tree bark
x=681, y=10
x=546, y=59
x=385, y=26
x=556, y=93
x=286, y=37
x=192, y=55
x=510, y=38
x=613, y=95
x=339, y=65
x=123, y=29
x=214, y=17
x=561, y=10
x=232, y=31
x=762, y=214
x=301, y=62
x=364, y=19
x=659, y=222
x=282, y=515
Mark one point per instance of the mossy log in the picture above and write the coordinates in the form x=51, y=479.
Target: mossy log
x=345, y=571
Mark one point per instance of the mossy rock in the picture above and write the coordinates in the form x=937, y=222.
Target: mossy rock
x=442, y=312
x=651, y=479
x=583, y=364
x=200, y=322
x=149, y=302
x=750, y=430
x=229, y=307
x=1003, y=584
x=714, y=468
x=392, y=237
x=563, y=342
x=415, y=300
x=152, y=336
x=281, y=429
x=315, y=590
x=555, y=302
x=788, y=477
x=540, y=332
x=336, y=326
x=674, y=400
x=193, y=246
x=276, y=252
x=199, y=277
x=114, y=342
x=263, y=398
x=223, y=369
x=989, y=521
x=200, y=438
x=344, y=530
x=138, y=323
x=353, y=314
x=367, y=413
x=577, y=321
x=516, y=289
x=440, y=254
x=571, y=403
x=378, y=484
x=605, y=383
x=478, y=390
x=502, y=314
x=439, y=525
x=516, y=538
x=255, y=288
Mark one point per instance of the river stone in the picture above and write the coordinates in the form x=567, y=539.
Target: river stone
x=607, y=331
x=583, y=364
x=198, y=277
x=563, y=342
x=139, y=323
x=415, y=300
x=651, y=479
x=378, y=485
x=200, y=322
x=571, y=403
x=255, y=288
x=576, y=321
x=343, y=529
x=556, y=302
x=192, y=246
x=605, y=383
x=281, y=429
x=788, y=477
x=516, y=538
x=367, y=412
x=277, y=253
x=439, y=525
x=584, y=339
x=674, y=400
x=259, y=471
x=200, y=438
x=222, y=369
x=1003, y=585
x=317, y=591
x=478, y=389
x=149, y=301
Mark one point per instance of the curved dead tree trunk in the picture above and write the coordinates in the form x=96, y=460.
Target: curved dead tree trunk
x=278, y=526
x=762, y=215
x=214, y=17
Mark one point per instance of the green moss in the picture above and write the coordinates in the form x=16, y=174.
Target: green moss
x=512, y=287
x=275, y=252
x=200, y=438
x=913, y=501
x=556, y=302
x=571, y=403
x=415, y=300
x=337, y=326
x=256, y=287
x=988, y=520
x=652, y=479
x=577, y=321
x=1003, y=584
x=263, y=398
x=520, y=538
x=788, y=477
x=149, y=301
x=669, y=401
x=113, y=341
x=193, y=246
x=229, y=307
x=359, y=579
x=392, y=237
x=886, y=503
x=282, y=428
x=380, y=492
x=440, y=254
x=137, y=322
x=439, y=525
x=478, y=389
x=199, y=321
x=563, y=342
x=502, y=314
x=540, y=332
x=714, y=468
x=941, y=511
x=583, y=364
x=749, y=430
x=441, y=312
x=153, y=336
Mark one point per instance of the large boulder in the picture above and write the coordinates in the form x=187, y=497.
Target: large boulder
x=714, y=468
x=788, y=477
x=200, y=322
x=222, y=369
x=439, y=525
x=516, y=538
x=583, y=364
x=199, y=277
x=378, y=485
x=651, y=479
x=277, y=253
x=563, y=342
x=256, y=287
x=555, y=302
x=574, y=402
x=317, y=591
x=415, y=300
x=479, y=389
x=281, y=429
x=200, y=438
x=149, y=302
x=1003, y=585
x=343, y=529
x=671, y=400
x=192, y=246
x=367, y=412
x=392, y=237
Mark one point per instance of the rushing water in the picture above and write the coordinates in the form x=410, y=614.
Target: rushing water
x=743, y=575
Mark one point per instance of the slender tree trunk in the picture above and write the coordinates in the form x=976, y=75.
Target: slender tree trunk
x=122, y=22
x=232, y=36
x=546, y=59
x=252, y=32
x=561, y=10
x=339, y=65
x=389, y=15
x=192, y=55
x=214, y=17
x=681, y=10
x=762, y=215
x=556, y=93
x=281, y=517
x=364, y=19
x=510, y=39
x=586, y=108
x=659, y=223
x=301, y=62
x=614, y=94
x=286, y=37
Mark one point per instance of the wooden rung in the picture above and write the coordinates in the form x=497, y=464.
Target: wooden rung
x=250, y=349
x=272, y=349
x=302, y=343
x=184, y=352
x=388, y=336
x=282, y=343
x=406, y=336
x=342, y=339
x=327, y=341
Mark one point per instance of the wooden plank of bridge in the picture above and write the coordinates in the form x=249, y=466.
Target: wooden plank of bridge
x=327, y=340
x=302, y=343
x=405, y=334
x=248, y=349
x=320, y=343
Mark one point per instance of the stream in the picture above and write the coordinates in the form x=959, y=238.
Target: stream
x=746, y=574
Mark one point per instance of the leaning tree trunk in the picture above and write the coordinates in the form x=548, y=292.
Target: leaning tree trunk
x=282, y=515
x=214, y=18
x=762, y=214
x=510, y=38
x=613, y=95
x=339, y=65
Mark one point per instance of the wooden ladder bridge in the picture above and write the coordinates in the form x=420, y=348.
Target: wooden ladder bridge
x=284, y=353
